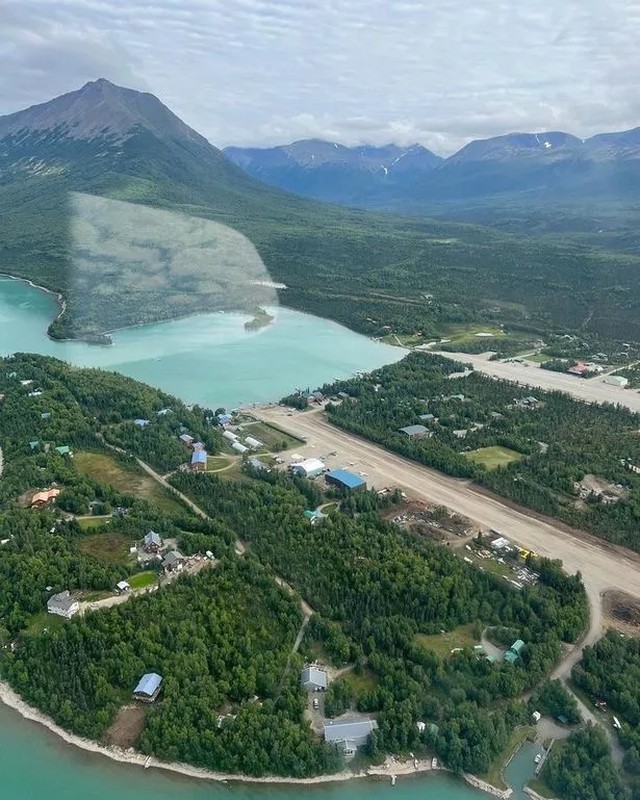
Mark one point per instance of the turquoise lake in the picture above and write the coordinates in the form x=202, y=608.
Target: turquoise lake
x=212, y=360
x=209, y=359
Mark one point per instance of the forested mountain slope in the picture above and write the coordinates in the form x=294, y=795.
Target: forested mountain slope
x=369, y=272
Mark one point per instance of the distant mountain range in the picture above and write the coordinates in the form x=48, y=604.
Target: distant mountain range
x=522, y=167
x=334, y=173
x=67, y=165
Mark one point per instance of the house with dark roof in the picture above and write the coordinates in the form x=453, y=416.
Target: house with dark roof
x=152, y=542
x=148, y=687
x=173, y=561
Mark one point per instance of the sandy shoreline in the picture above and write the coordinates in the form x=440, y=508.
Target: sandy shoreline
x=390, y=768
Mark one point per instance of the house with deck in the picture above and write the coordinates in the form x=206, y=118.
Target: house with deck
x=148, y=687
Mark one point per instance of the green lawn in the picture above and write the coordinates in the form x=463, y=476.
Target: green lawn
x=494, y=776
x=42, y=620
x=443, y=643
x=494, y=456
x=217, y=462
x=142, y=579
x=274, y=438
x=107, y=469
x=92, y=522
x=538, y=358
x=110, y=547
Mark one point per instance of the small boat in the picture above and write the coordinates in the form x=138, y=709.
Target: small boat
x=434, y=763
x=538, y=758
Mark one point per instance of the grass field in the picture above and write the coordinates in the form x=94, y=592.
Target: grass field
x=217, y=462
x=142, y=579
x=538, y=358
x=363, y=681
x=92, y=522
x=443, y=643
x=110, y=547
x=494, y=776
x=494, y=457
x=39, y=622
x=107, y=469
x=273, y=437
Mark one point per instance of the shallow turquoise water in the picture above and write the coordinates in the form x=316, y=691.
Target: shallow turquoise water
x=209, y=359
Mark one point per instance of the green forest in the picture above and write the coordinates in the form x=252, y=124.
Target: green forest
x=554, y=442
x=222, y=637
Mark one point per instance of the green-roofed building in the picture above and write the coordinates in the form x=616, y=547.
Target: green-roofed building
x=64, y=450
x=510, y=657
x=34, y=445
x=517, y=646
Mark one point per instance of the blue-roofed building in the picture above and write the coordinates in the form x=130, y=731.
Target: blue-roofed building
x=344, y=479
x=141, y=423
x=148, y=687
x=224, y=419
x=199, y=460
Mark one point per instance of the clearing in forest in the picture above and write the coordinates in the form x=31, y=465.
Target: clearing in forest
x=494, y=456
x=106, y=469
x=444, y=643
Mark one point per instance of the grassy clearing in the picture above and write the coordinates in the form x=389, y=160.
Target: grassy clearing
x=272, y=436
x=443, y=643
x=110, y=547
x=537, y=358
x=464, y=334
x=92, y=522
x=217, y=462
x=39, y=622
x=142, y=579
x=107, y=469
x=360, y=682
x=494, y=776
x=494, y=457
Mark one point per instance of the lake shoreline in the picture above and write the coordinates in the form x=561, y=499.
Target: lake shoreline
x=390, y=768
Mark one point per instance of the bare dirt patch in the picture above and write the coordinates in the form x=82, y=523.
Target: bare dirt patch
x=127, y=726
x=622, y=612
x=432, y=522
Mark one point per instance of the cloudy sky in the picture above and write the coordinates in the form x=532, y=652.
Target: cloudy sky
x=255, y=72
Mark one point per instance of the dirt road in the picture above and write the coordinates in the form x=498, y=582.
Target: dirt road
x=603, y=567
x=593, y=390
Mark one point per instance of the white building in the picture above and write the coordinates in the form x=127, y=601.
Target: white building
x=230, y=436
x=616, y=380
x=254, y=444
x=63, y=604
x=239, y=448
x=309, y=468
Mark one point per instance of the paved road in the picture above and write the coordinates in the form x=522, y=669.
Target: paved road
x=593, y=390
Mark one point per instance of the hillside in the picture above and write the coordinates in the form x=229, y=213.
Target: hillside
x=374, y=273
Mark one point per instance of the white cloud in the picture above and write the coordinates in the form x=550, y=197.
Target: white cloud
x=269, y=71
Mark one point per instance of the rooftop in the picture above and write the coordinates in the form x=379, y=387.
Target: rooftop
x=148, y=684
x=348, y=729
x=413, y=430
x=314, y=675
x=348, y=479
x=199, y=457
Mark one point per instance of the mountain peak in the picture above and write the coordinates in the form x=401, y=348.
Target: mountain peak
x=99, y=108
